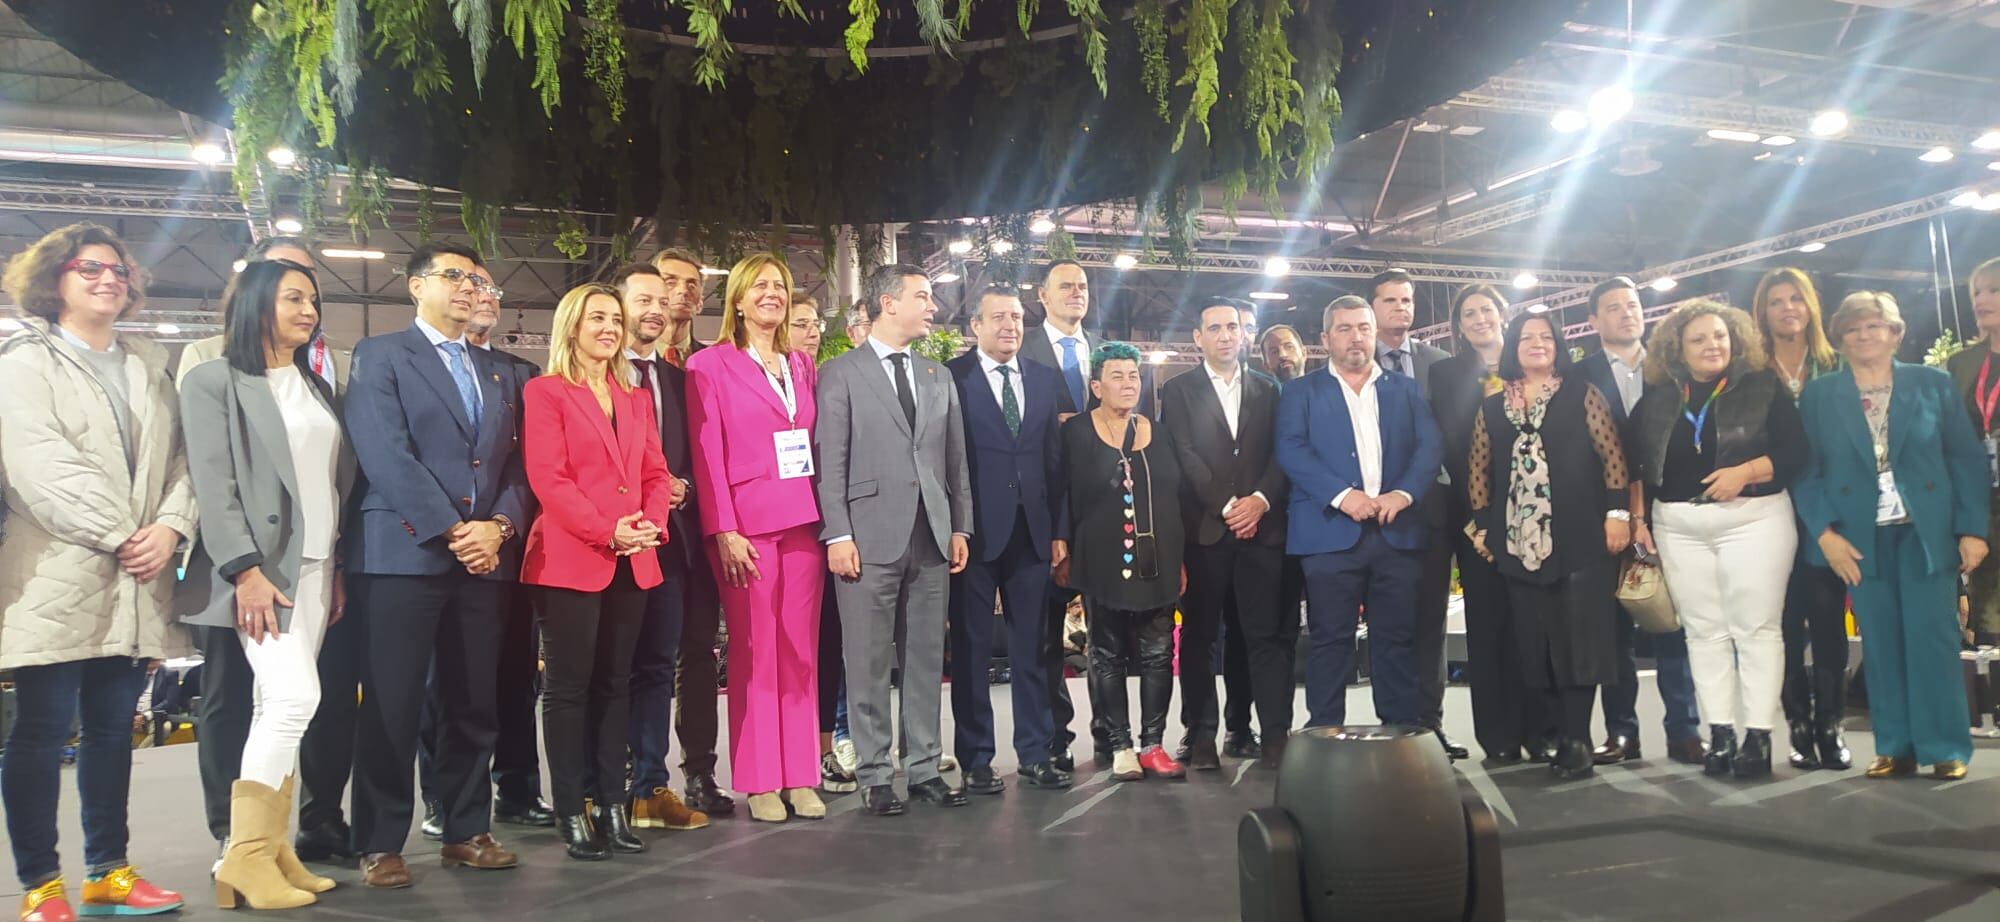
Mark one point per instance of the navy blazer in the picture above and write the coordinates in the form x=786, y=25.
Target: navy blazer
x=516, y=372
x=1939, y=463
x=425, y=471
x=1008, y=470
x=1316, y=449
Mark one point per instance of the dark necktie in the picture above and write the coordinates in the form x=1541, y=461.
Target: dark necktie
x=1009, y=407
x=1396, y=357
x=903, y=394
x=645, y=367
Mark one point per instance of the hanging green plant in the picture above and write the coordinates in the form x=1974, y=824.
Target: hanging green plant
x=1203, y=27
x=474, y=19
x=936, y=30
x=571, y=239
x=833, y=344
x=482, y=224
x=705, y=24
x=1061, y=245
x=940, y=345
x=1090, y=25
x=368, y=202
x=1026, y=10
x=861, y=31
x=405, y=33
x=1149, y=22
x=426, y=213
x=1943, y=348
x=544, y=20
x=344, y=56
x=604, y=54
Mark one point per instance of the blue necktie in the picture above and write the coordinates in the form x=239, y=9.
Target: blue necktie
x=468, y=389
x=1072, y=372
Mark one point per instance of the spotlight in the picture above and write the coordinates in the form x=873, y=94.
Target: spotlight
x=1538, y=308
x=1990, y=202
x=1277, y=267
x=1610, y=104
x=946, y=278
x=1988, y=141
x=1936, y=155
x=1780, y=140
x=1526, y=280
x=209, y=153
x=1269, y=296
x=1001, y=247
x=1731, y=134
x=337, y=253
x=959, y=247
x=1124, y=261
x=1994, y=166
x=1159, y=356
x=1664, y=283
x=288, y=226
x=1967, y=199
x=282, y=156
x=1812, y=247
x=1042, y=226
x=1828, y=123
x=1569, y=121
x=237, y=266
x=168, y=329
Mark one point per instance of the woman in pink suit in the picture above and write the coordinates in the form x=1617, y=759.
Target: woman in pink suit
x=750, y=413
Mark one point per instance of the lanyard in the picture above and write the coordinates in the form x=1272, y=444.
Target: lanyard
x=1988, y=399
x=1698, y=420
x=319, y=355
x=782, y=383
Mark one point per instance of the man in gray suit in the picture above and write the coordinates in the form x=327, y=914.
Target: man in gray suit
x=1393, y=295
x=896, y=515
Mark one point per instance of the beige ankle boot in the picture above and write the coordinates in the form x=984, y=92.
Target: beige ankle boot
x=249, y=870
x=767, y=807
x=294, y=870
x=806, y=803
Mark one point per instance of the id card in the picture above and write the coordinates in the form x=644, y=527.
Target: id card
x=1993, y=459
x=1888, y=502
x=795, y=454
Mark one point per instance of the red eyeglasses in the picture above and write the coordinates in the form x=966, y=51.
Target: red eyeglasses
x=91, y=269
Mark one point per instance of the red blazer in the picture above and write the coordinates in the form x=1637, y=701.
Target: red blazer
x=733, y=416
x=587, y=477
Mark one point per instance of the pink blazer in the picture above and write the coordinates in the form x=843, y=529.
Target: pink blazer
x=734, y=415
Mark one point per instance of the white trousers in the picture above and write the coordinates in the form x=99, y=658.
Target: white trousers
x=1727, y=565
x=287, y=680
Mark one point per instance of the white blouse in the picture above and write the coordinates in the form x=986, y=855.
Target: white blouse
x=314, y=438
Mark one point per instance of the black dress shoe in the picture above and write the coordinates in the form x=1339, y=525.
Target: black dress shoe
x=1503, y=757
x=1805, y=746
x=580, y=840
x=1062, y=761
x=1451, y=746
x=615, y=827
x=1545, y=750
x=1833, y=752
x=705, y=795
x=1574, y=761
x=1721, y=750
x=881, y=800
x=523, y=812
x=1241, y=744
x=328, y=841
x=982, y=780
x=1271, y=754
x=1045, y=775
x=937, y=793
x=1753, y=760
x=433, y=827
x=1617, y=748
x=1201, y=757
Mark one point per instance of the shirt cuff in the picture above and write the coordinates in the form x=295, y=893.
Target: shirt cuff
x=1260, y=495
x=833, y=541
x=1405, y=494
x=1337, y=497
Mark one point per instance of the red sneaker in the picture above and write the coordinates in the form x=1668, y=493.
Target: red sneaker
x=124, y=893
x=1156, y=762
x=47, y=903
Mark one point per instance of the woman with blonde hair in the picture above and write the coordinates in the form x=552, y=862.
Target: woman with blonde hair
x=750, y=414
x=1788, y=314
x=1897, y=504
x=1977, y=377
x=591, y=446
x=1717, y=441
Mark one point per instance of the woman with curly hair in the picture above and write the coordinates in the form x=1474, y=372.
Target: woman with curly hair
x=1718, y=440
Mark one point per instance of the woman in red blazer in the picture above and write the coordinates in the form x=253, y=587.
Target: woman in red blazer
x=593, y=457
x=750, y=412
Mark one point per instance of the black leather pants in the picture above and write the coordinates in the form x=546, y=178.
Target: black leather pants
x=1122, y=642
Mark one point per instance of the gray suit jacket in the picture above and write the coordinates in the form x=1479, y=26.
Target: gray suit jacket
x=1424, y=355
x=873, y=469
x=244, y=483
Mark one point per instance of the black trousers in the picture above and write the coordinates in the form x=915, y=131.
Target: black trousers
x=1433, y=597
x=326, y=753
x=1815, y=617
x=1238, y=692
x=224, y=720
x=517, y=759
x=1506, y=714
x=1062, y=711
x=1020, y=578
x=1245, y=577
x=586, y=693
x=832, y=671
x=1121, y=643
x=694, y=677
x=406, y=620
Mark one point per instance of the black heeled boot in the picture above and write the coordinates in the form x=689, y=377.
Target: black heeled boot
x=1833, y=752
x=1753, y=761
x=1573, y=761
x=616, y=829
x=580, y=840
x=1805, y=746
x=1721, y=749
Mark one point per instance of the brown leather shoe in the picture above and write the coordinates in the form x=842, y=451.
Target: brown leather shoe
x=1690, y=751
x=481, y=852
x=1615, y=750
x=384, y=871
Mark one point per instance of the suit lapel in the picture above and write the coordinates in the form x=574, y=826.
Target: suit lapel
x=492, y=373
x=1847, y=403
x=429, y=364
x=586, y=402
x=980, y=398
x=261, y=415
x=1209, y=403
x=1900, y=398
x=751, y=373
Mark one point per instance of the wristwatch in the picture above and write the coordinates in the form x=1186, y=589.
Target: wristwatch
x=1620, y=515
x=506, y=528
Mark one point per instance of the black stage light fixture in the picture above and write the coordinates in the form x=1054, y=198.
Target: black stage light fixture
x=1369, y=826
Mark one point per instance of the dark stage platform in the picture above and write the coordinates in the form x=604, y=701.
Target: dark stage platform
x=1648, y=841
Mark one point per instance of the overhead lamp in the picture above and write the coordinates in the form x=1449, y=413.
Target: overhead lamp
x=1001, y=247
x=282, y=156
x=1538, y=308
x=946, y=278
x=237, y=266
x=1780, y=140
x=1731, y=134
x=1569, y=121
x=1763, y=155
x=1994, y=166
x=337, y=253
x=1159, y=356
x=1828, y=123
x=288, y=226
x=1269, y=296
x=1277, y=267
x=168, y=329
x=711, y=270
x=1966, y=199
x=209, y=153
x=1989, y=202
x=1124, y=261
x=1526, y=280
x=1938, y=154
x=1664, y=283
x=1610, y=104
x=1042, y=226
x=1988, y=141
x=1813, y=247
x=959, y=247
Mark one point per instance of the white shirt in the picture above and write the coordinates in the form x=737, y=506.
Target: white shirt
x=438, y=340
x=1056, y=337
x=313, y=436
x=1010, y=381
x=1230, y=392
x=882, y=353
x=1631, y=378
x=1364, y=410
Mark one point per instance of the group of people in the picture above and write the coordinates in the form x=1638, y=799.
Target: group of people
x=508, y=535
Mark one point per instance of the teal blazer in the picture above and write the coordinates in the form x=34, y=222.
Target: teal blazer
x=1939, y=464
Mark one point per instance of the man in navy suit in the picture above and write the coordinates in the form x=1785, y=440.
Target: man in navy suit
x=1014, y=454
x=434, y=426
x=1360, y=449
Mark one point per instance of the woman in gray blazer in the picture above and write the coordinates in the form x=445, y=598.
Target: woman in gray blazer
x=271, y=470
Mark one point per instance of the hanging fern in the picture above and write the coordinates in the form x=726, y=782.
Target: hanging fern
x=571, y=240
x=964, y=17
x=426, y=213
x=345, y=54
x=1269, y=92
x=482, y=223
x=1149, y=20
x=861, y=31
x=545, y=21
x=368, y=202
x=406, y=33
x=705, y=24
x=314, y=174
x=791, y=8
x=307, y=27
x=1204, y=25
x=604, y=53
x=1090, y=24
x=1026, y=11
x=933, y=27
x=1061, y=245
x=474, y=19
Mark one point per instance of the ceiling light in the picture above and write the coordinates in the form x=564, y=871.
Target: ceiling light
x=959, y=247
x=336, y=253
x=168, y=329
x=1780, y=140
x=1936, y=155
x=1812, y=247
x=1427, y=127
x=1277, y=267
x=1988, y=141
x=1538, y=308
x=1966, y=199
x=9, y=325
x=237, y=266
x=1001, y=247
x=946, y=278
x=711, y=270
x=1994, y=166
x=1828, y=123
x=1763, y=155
x=1988, y=203
x=1731, y=134
x=209, y=153
x=1042, y=226
x=282, y=156
x=1569, y=121
x=1526, y=280
x=1124, y=261
x=1610, y=104
x=288, y=226
x=1664, y=283
x=1159, y=357
x=1269, y=296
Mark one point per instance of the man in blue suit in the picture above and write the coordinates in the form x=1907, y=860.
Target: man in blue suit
x=434, y=426
x=1014, y=453
x=1360, y=448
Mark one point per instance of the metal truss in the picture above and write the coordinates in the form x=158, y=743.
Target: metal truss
x=66, y=198
x=1542, y=97
x=1253, y=264
x=1492, y=217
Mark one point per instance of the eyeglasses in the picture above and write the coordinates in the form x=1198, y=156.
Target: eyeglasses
x=91, y=269
x=808, y=324
x=457, y=277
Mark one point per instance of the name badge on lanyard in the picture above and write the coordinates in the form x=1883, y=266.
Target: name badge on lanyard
x=795, y=456
x=1888, y=501
x=1987, y=399
x=1993, y=460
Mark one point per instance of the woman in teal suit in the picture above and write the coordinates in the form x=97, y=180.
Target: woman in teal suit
x=1898, y=505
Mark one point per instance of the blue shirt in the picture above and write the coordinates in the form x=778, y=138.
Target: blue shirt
x=437, y=342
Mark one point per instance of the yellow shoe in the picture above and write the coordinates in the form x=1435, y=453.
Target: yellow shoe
x=664, y=810
x=123, y=892
x=1886, y=766
x=47, y=903
x=1948, y=770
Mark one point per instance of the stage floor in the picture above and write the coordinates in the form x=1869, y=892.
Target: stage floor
x=1653, y=840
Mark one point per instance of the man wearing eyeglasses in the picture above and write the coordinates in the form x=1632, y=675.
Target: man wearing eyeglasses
x=434, y=427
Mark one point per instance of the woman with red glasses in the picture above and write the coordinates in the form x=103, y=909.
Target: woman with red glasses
x=97, y=499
